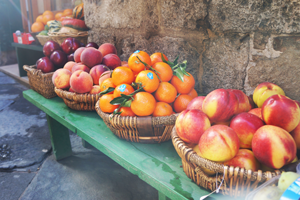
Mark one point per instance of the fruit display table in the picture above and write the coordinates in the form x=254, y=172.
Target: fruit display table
x=157, y=164
x=27, y=55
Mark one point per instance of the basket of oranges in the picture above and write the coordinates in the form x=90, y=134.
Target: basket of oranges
x=145, y=96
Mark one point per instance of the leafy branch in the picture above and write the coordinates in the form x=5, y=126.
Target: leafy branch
x=179, y=69
x=146, y=65
x=108, y=90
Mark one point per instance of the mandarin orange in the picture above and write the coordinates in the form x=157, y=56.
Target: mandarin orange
x=104, y=103
x=107, y=83
x=156, y=57
x=162, y=109
x=135, y=65
x=122, y=75
x=163, y=70
x=123, y=89
x=193, y=93
x=181, y=102
x=148, y=79
x=165, y=92
x=126, y=111
x=143, y=104
x=183, y=87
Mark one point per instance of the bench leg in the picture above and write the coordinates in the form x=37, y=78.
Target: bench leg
x=60, y=139
x=86, y=145
x=161, y=196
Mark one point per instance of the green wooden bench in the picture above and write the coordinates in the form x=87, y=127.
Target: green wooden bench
x=157, y=164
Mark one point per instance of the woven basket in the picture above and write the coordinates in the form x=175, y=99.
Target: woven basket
x=237, y=181
x=42, y=39
x=83, y=102
x=139, y=129
x=60, y=37
x=40, y=82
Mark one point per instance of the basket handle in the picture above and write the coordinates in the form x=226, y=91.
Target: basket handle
x=29, y=68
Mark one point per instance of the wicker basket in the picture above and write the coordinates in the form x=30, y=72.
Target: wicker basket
x=83, y=102
x=139, y=129
x=42, y=39
x=60, y=37
x=237, y=181
x=40, y=82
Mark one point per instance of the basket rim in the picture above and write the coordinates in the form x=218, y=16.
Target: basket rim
x=192, y=157
x=100, y=112
x=33, y=69
x=75, y=96
x=79, y=34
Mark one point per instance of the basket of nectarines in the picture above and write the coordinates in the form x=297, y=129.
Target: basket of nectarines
x=40, y=81
x=233, y=142
x=144, y=98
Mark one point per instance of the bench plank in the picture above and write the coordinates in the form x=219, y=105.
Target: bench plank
x=157, y=164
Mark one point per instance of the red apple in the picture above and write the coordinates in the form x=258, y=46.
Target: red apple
x=49, y=47
x=279, y=110
x=58, y=58
x=70, y=45
x=191, y=124
x=245, y=125
x=244, y=159
x=92, y=44
x=45, y=65
x=71, y=57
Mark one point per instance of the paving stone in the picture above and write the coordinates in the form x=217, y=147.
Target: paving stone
x=7, y=80
x=86, y=176
x=12, y=185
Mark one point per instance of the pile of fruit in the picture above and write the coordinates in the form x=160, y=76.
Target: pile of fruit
x=68, y=21
x=82, y=75
x=56, y=56
x=229, y=127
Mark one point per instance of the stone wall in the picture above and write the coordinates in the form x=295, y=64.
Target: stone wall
x=228, y=43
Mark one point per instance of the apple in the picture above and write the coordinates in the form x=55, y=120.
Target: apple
x=244, y=159
x=71, y=57
x=92, y=44
x=273, y=146
x=220, y=105
x=49, y=47
x=70, y=45
x=245, y=126
x=191, y=124
x=45, y=65
x=279, y=110
x=58, y=58
x=263, y=91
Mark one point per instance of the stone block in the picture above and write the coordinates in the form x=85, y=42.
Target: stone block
x=224, y=62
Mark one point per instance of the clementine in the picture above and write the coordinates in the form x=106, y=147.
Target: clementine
x=162, y=109
x=107, y=83
x=165, y=92
x=193, y=93
x=183, y=87
x=163, y=70
x=126, y=111
x=143, y=104
x=156, y=57
x=67, y=12
x=181, y=102
x=123, y=89
x=39, y=19
x=134, y=63
x=58, y=16
x=122, y=75
x=37, y=27
x=104, y=103
x=148, y=79
x=48, y=17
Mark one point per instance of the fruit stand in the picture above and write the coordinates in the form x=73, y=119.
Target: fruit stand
x=157, y=164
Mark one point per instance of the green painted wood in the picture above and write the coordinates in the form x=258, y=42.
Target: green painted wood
x=161, y=196
x=157, y=164
x=87, y=145
x=27, y=55
x=60, y=139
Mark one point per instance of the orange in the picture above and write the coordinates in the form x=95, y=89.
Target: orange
x=39, y=19
x=135, y=65
x=165, y=92
x=163, y=70
x=47, y=18
x=107, y=83
x=126, y=111
x=181, y=102
x=122, y=75
x=37, y=27
x=193, y=93
x=183, y=87
x=143, y=104
x=67, y=12
x=162, y=109
x=123, y=89
x=59, y=16
x=156, y=57
x=48, y=12
x=104, y=103
x=148, y=79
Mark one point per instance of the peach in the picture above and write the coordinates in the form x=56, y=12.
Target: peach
x=107, y=48
x=220, y=105
x=105, y=75
x=61, y=78
x=80, y=66
x=71, y=90
x=263, y=91
x=244, y=159
x=191, y=124
x=111, y=61
x=91, y=57
x=95, y=89
x=273, y=146
x=296, y=135
x=244, y=104
x=257, y=112
x=245, y=125
x=96, y=72
x=279, y=110
x=77, y=54
x=219, y=143
x=69, y=65
x=81, y=82
x=196, y=103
